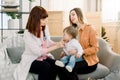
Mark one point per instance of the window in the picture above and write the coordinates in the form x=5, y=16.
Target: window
x=110, y=10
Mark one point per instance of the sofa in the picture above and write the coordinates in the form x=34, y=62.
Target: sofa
x=108, y=67
x=10, y=55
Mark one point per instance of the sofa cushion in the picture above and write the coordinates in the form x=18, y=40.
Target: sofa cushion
x=56, y=53
x=100, y=72
x=15, y=54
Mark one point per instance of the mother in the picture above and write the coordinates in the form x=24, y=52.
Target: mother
x=88, y=39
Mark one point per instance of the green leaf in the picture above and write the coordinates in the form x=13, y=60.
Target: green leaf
x=14, y=15
x=20, y=32
x=31, y=0
x=103, y=34
x=19, y=16
x=11, y=14
x=105, y=37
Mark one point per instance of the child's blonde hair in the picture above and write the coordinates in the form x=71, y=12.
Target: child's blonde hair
x=71, y=31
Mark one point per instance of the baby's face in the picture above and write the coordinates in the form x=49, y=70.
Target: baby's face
x=66, y=36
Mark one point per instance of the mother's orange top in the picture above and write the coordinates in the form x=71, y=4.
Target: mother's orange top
x=88, y=40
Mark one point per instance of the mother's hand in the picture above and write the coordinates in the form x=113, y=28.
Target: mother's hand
x=72, y=51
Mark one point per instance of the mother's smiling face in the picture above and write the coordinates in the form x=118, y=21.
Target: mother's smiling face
x=73, y=17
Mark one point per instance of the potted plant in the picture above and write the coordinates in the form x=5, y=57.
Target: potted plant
x=31, y=0
x=21, y=31
x=13, y=22
x=103, y=34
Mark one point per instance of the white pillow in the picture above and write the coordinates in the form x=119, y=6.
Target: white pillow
x=4, y=56
x=2, y=53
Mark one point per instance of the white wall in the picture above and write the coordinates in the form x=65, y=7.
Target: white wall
x=45, y=4
x=65, y=5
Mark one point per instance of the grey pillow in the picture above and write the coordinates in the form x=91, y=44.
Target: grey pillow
x=15, y=54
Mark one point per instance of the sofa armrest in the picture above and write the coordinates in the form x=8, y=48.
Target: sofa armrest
x=108, y=57
x=115, y=62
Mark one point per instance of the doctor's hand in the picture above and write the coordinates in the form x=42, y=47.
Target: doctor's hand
x=59, y=44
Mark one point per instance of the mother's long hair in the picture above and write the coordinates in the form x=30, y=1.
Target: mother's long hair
x=81, y=17
x=33, y=24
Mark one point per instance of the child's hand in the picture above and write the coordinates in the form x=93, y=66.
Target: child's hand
x=72, y=51
x=78, y=55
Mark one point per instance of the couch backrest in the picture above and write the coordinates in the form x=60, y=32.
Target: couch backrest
x=56, y=53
